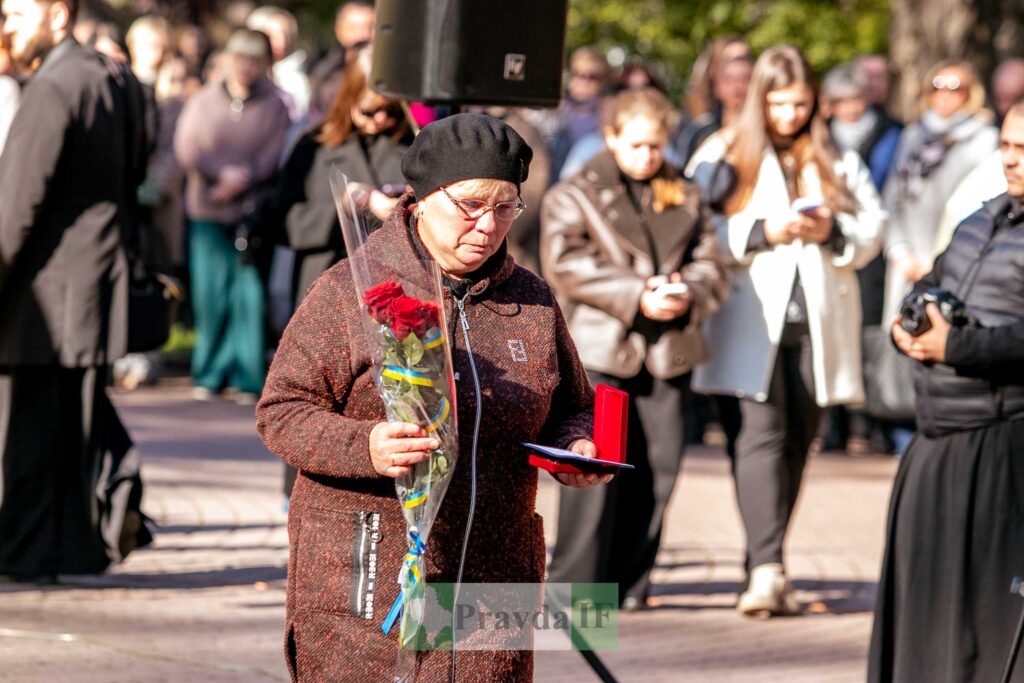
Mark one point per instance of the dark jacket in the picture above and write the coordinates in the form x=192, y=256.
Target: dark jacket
x=75, y=156
x=304, y=206
x=694, y=133
x=982, y=379
x=318, y=407
x=596, y=253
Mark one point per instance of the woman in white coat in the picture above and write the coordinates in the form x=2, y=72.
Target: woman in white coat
x=800, y=218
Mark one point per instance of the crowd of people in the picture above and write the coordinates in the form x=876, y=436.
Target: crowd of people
x=746, y=257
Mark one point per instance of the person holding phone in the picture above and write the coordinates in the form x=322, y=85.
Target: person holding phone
x=799, y=221
x=365, y=135
x=628, y=247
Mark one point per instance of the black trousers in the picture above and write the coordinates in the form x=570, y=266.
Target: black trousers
x=611, y=533
x=71, y=488
x=772, y=448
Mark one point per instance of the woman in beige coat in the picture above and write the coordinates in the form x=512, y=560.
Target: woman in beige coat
x=800, y=220
x=612, y=236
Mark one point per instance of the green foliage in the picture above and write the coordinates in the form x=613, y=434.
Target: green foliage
x=180, y=342
x=672, y=33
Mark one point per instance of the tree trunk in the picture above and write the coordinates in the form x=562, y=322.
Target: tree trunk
x=925, y=32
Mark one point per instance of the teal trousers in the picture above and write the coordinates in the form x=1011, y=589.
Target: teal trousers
x=228, y=306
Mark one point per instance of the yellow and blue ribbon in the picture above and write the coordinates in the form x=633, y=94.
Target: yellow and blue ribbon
x=415, y=499
x=416, y=549
x=404, y=375
x=440, y=416
x=433, y=339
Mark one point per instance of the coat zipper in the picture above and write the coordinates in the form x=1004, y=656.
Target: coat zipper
x=464, y=320
x=362, y=565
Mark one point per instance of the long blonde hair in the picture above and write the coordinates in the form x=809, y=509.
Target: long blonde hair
x=780, y=67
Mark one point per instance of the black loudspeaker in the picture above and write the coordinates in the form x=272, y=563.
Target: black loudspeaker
x=470, y=51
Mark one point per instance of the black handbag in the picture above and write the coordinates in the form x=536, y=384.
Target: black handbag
x=888, y=377
x=152, y=303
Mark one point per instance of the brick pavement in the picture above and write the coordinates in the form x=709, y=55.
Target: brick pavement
x=206, y=601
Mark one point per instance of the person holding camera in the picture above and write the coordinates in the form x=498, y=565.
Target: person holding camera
x=956, y=520
x=800, y=219
x=365, y=135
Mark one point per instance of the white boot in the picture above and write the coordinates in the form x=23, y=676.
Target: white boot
x=768, y=593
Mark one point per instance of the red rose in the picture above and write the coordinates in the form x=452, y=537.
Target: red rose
x=379, y=297
x=412, y=315
x=430, y=317
x=405, y=316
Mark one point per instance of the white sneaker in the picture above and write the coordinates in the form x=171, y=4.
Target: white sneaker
x=768, y=593
x=202, y=394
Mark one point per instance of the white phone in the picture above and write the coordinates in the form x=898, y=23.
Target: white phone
x=671, y=289
x=806, y=204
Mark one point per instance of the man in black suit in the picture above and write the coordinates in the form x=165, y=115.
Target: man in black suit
x=74, y=157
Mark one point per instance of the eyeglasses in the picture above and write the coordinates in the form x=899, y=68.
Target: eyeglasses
x=475, y=208
x=587, y=75
x=946, y=83
x=391, y=109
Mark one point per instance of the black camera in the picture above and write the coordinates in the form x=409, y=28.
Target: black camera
x=914, y=317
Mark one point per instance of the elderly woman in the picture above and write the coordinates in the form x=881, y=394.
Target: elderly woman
x=518, y=379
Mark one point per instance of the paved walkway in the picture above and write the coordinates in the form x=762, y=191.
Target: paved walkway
x=206, y=601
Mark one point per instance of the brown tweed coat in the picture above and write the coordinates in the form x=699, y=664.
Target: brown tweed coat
x=316, y=413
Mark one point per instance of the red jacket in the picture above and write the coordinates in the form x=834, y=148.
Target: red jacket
x=318, y=408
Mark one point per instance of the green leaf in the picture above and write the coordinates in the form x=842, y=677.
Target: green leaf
x=413, y=349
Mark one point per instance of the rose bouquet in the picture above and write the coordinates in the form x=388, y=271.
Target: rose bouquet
x=404, y=322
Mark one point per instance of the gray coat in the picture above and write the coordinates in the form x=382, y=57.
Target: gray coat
x=74, y=156
x=914, y=219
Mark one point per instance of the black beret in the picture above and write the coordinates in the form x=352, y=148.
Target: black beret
x=464, y=147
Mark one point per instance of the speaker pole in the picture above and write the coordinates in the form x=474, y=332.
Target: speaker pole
x=409, y=117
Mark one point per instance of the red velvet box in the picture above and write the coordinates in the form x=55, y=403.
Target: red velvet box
x=611, y=411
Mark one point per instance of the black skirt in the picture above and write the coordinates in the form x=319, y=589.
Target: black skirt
x=955, y=543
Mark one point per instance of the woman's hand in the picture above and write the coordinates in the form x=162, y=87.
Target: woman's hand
x=663, y=308
x=910, y=267
x=396, y=446
x=587, y=449
x=816, y=226
x=381, y=205
x=231, y=182
x=782, y=230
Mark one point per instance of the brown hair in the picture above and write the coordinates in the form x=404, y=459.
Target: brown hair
x=700, y=97
x=780, y=67
x=338, y=126
x=632, y=103
x=648, y=103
